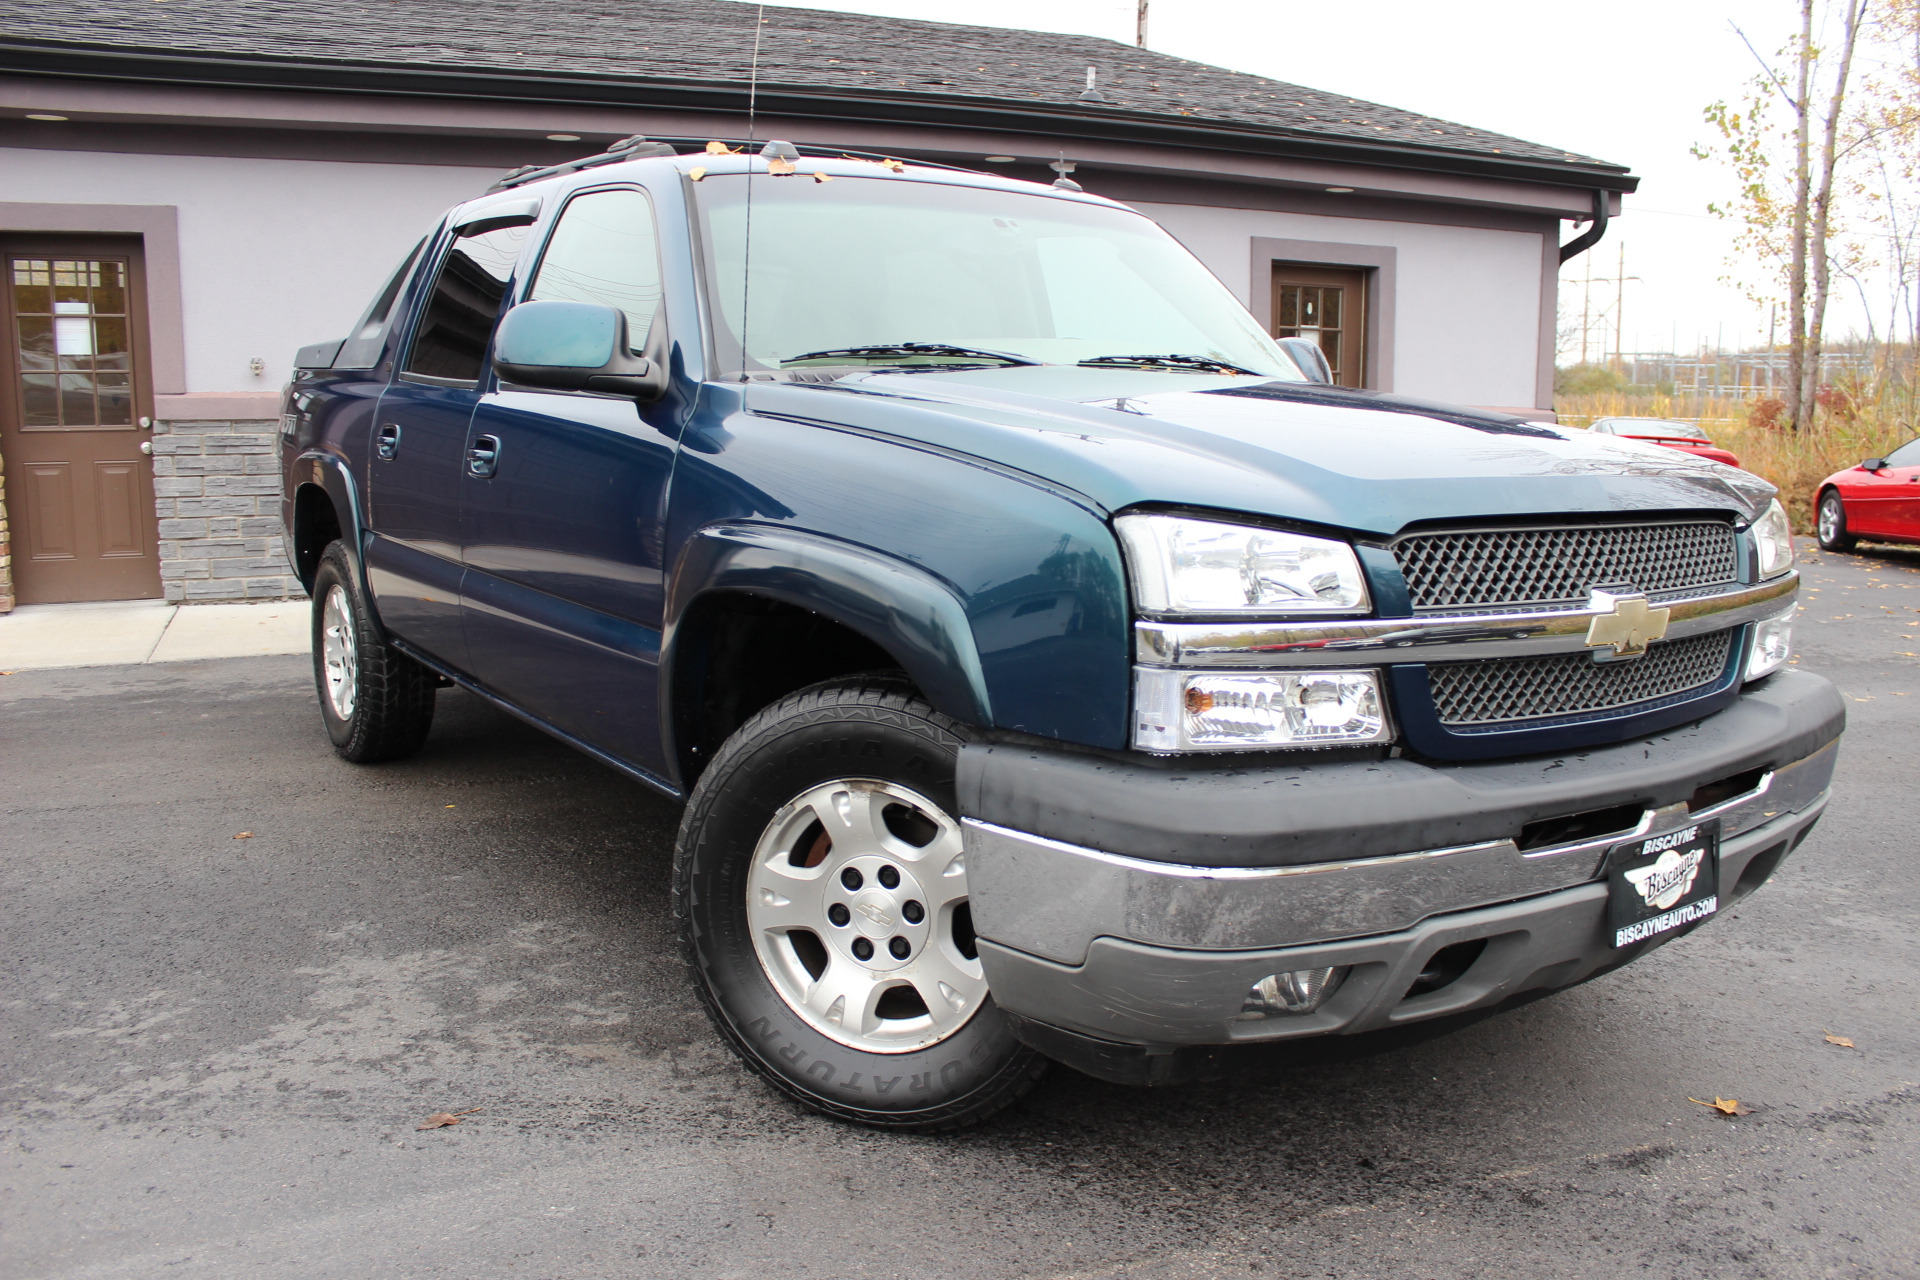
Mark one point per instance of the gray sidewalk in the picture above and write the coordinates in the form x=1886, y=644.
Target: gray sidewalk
x=115, y=633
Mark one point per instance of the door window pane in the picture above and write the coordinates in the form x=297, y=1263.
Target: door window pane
x=603, y=251
x=451, y=340
x=70, y=316
x=1325, y=306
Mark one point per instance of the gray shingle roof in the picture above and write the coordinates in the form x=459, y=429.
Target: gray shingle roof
x=713, y=40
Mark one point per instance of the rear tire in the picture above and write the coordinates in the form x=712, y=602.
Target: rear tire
x=376, y=701
x=1832, y=518
x=821, y=892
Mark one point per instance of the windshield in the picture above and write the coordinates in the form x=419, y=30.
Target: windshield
x=895, y=273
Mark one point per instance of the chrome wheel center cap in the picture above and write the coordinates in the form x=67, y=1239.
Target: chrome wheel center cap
x=875, y=914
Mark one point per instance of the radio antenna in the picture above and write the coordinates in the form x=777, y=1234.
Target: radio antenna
x=746, y=240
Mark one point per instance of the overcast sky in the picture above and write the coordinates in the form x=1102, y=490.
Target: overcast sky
x=1624, y=80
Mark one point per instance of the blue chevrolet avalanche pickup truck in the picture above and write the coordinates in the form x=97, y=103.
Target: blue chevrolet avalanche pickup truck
x=1052, y=665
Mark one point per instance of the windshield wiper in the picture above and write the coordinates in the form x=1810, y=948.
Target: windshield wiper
x=908, y=350
x=1171, y=362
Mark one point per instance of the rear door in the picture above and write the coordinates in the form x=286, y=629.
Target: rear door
x=418, y=454
x=564, y=589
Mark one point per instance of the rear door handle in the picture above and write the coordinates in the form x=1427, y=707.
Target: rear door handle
x=483, y=457
x=387, y=442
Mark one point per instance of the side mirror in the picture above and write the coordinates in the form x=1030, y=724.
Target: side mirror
x=574, y=346
x=1311, y=360
x=1874, y=464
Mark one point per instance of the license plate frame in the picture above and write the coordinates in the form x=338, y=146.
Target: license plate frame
x=1662, y=884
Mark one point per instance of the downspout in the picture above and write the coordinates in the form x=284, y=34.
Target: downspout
x=1591, y=236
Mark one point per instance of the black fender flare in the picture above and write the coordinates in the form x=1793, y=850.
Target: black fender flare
x=912, y=614
x=328, y=472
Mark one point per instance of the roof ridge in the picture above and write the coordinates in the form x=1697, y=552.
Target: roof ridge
x=814, y=50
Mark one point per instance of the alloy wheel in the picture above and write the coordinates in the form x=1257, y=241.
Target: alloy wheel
x=857, y=902
x=1830, y=518
x=339, y=652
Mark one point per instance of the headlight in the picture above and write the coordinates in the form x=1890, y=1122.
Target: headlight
x=1772, y=645
x=1252, y=711
x=1773, y=539
x=1181, y=565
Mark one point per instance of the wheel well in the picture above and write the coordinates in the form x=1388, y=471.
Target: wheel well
x=315, y=524
x=742, y=652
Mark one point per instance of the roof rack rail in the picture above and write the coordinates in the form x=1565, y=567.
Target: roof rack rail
x=639, y=146
x=630, y=148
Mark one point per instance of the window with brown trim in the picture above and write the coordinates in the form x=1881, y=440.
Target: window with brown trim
x=1328, y=306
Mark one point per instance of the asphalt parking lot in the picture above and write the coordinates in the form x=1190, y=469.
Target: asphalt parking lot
x=217, y=1049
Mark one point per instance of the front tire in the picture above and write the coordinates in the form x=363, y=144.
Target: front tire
x=376, y=701
x=1833, y=523
x=822, y=895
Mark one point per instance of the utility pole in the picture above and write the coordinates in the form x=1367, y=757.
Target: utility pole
x=1140, y=26
x=1586, y=310
x=1620, y=310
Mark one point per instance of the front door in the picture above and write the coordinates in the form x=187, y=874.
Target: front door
x=1328, y=306
x=564, y=586
x=419, y=449
x=79, y=484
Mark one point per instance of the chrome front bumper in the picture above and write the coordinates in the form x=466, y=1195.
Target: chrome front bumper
x=1051, y=899
x=1127, y=993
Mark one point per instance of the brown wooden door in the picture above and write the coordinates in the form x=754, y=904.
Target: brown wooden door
x=79, y=485
x=1329, y=306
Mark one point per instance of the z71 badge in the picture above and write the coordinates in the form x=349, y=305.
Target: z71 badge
x=1663, y=883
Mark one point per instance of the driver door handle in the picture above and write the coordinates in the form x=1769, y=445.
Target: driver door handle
x=483, y=457
x=387, y=442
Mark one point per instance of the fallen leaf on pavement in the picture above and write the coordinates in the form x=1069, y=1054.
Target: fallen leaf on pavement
x=1842, y=1041
x=449, y=806
x=244, y=835
x=440, y=1119
x=1726, y=1106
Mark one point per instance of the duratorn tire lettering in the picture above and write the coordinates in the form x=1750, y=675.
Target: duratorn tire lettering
x=882, y=729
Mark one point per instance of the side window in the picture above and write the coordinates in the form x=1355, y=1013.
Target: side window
x=451, y=340
x=1907, y=455
x=604, y=251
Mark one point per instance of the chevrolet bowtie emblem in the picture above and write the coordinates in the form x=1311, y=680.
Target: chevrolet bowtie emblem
x=1627, y=623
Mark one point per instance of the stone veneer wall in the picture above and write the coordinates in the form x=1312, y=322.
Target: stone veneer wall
x=216, y=488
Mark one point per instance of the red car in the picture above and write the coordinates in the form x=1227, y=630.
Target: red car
x=1675, y=435
x=1878, y=500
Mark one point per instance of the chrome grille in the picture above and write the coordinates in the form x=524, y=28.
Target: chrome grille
x=1509, y=567
x=1506, y=689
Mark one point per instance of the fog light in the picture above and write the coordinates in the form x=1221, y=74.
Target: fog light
x=1772, y=645
x=1301, y=991
x=1248, y=711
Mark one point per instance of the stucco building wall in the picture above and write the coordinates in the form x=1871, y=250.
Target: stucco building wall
x=274, y=254
x=1465, y=304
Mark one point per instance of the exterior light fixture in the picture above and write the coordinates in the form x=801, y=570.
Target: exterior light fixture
x=563, y=137
x=43, y=115
x=1340, y=191
x=999, y=159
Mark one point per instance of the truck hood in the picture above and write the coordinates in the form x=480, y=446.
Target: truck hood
x=1360, y=460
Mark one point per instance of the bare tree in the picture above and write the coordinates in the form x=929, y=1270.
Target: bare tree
x=1796, y=229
